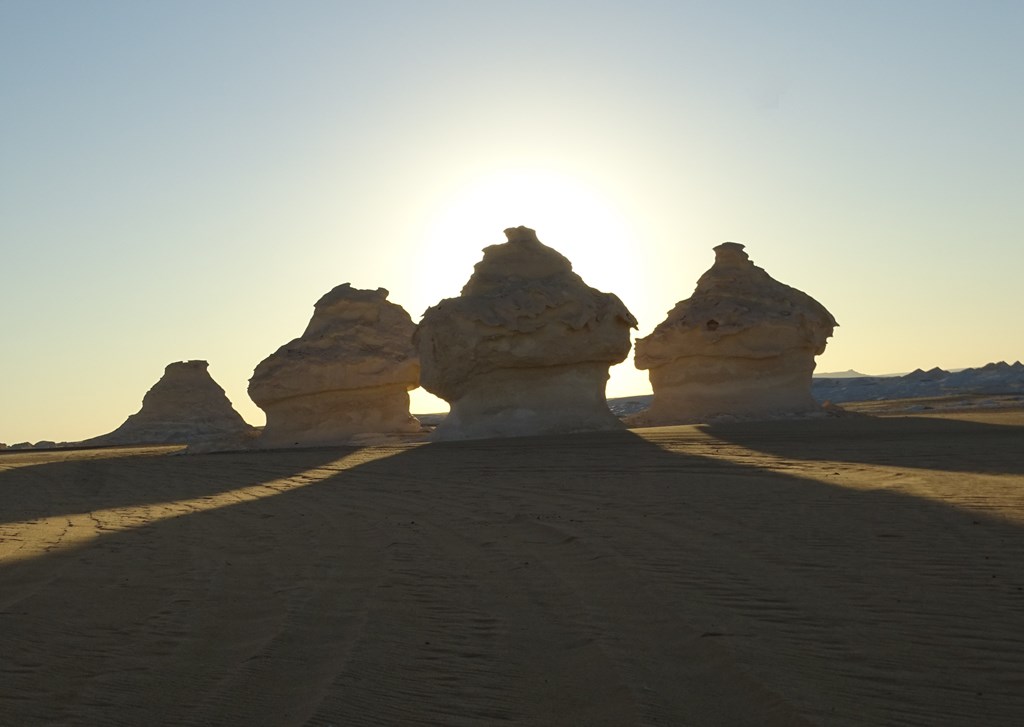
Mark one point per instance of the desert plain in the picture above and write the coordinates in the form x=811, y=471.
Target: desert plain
x=852, y=570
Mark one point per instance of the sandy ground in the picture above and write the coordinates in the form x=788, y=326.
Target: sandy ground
x=850, y=571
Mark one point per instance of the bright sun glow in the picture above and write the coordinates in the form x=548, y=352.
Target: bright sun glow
x=568, y=215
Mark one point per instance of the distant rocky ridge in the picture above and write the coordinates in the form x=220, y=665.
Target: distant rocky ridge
x=848, y=374
x=992, y=379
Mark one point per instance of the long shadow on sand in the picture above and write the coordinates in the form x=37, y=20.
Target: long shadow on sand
x=592, y=579
x=128, y=480
x=913, y=442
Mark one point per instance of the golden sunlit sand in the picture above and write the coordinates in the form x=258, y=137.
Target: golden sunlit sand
x=843, y=571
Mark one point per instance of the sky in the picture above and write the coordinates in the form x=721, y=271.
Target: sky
x=183, y=180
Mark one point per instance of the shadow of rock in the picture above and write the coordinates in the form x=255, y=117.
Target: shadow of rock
x=913, y=442
x=81, y=484
x=594, y=579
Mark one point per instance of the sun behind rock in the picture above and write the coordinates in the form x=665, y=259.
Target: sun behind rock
x=525, y=349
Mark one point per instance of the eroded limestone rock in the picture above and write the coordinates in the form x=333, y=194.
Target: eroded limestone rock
x=525, y=349
x=743, y=345
x=186, y=406
x=349, y=373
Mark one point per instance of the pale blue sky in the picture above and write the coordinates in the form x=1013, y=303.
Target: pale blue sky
x=185, y=179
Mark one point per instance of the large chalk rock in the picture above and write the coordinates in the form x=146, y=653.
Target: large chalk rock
x=525, y=349
x=186, y=406
x=349, y=374
x=743, y=345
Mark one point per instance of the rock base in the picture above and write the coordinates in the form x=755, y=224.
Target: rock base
x=528, y=402
x=335, y=417
x=700, y=389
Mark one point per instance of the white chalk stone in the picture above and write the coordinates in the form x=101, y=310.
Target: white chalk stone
x=743, y=345
x=525, y=349
x=349, y=374
x=186, y=406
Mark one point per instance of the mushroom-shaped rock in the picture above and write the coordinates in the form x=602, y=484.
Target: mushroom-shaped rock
x=525, y=349
x=742, y=345
x=349, y=374
x=186, y=406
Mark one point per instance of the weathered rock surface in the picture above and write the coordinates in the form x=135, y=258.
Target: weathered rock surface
x=349, y=373
x=186, y=406
x=743, y=345
x=525, y=349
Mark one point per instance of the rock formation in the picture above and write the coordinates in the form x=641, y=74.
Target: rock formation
x=525, y=349
x=742, y=345
x=350, y=373
x=186, y=406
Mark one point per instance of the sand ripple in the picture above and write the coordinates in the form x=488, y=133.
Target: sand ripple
x=835, y=573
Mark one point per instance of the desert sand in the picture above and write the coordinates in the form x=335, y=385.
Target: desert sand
x=841, y=571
